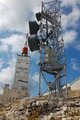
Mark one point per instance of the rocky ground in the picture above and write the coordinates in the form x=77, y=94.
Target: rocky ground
x=41, y=109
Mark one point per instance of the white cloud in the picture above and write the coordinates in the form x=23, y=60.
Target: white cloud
x=69, y=2
x=33, y=81
x=36, y=77
x=4, y=48
x=12, y=61
x=14, y=41
x=74, y=64
x=71, y=19
x=69, y=37
x=15, y=14
x=7, y=74
x=34, y=55
x=77, y=46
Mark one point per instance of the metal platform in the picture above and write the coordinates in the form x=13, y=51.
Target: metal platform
x=52, y=69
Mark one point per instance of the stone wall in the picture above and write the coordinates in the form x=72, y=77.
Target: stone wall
x=12, y=94
x=45, y=109
x=0, y=97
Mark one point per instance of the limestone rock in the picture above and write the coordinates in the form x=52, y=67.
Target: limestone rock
x=42, y=109
x=64, y=118
x=2, y=105
x=21, y=108
x=38, y=104
x=64, y=108
x=61, y=103
x=2, y=118
x=71, y=104
x=33, y=104
x=28, y=113
x=49, y=108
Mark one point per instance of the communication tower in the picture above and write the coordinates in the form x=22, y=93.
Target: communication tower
x=22, y=71
x=47, y=37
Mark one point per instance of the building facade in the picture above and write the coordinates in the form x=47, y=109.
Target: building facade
x=75, y=85
x=20, y=87
x=21, y=73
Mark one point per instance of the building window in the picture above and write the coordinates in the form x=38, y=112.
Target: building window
x=10, y=99
x=13, y=99
x=23, y=88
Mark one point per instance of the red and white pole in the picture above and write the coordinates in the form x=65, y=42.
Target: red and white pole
x=26, y=39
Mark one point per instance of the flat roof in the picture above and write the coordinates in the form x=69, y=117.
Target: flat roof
x=23, y=55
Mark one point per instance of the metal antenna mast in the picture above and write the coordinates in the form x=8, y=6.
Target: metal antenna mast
x=52, y=57
x=47, y=38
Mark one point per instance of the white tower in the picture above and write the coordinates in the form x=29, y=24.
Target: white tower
x=22, y=71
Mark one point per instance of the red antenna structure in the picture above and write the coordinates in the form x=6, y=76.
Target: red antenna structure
x=25, y=47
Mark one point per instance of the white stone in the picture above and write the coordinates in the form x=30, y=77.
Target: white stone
x=64, y=108
x=38, y=103
x=64, y=118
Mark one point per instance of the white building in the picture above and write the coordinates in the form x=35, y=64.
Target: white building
x=21, y=73
x=75, y=85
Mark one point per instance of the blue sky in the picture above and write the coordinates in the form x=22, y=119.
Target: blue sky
x=14, y=17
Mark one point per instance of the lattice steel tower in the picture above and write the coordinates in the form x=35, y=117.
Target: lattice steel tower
x=50, y=44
